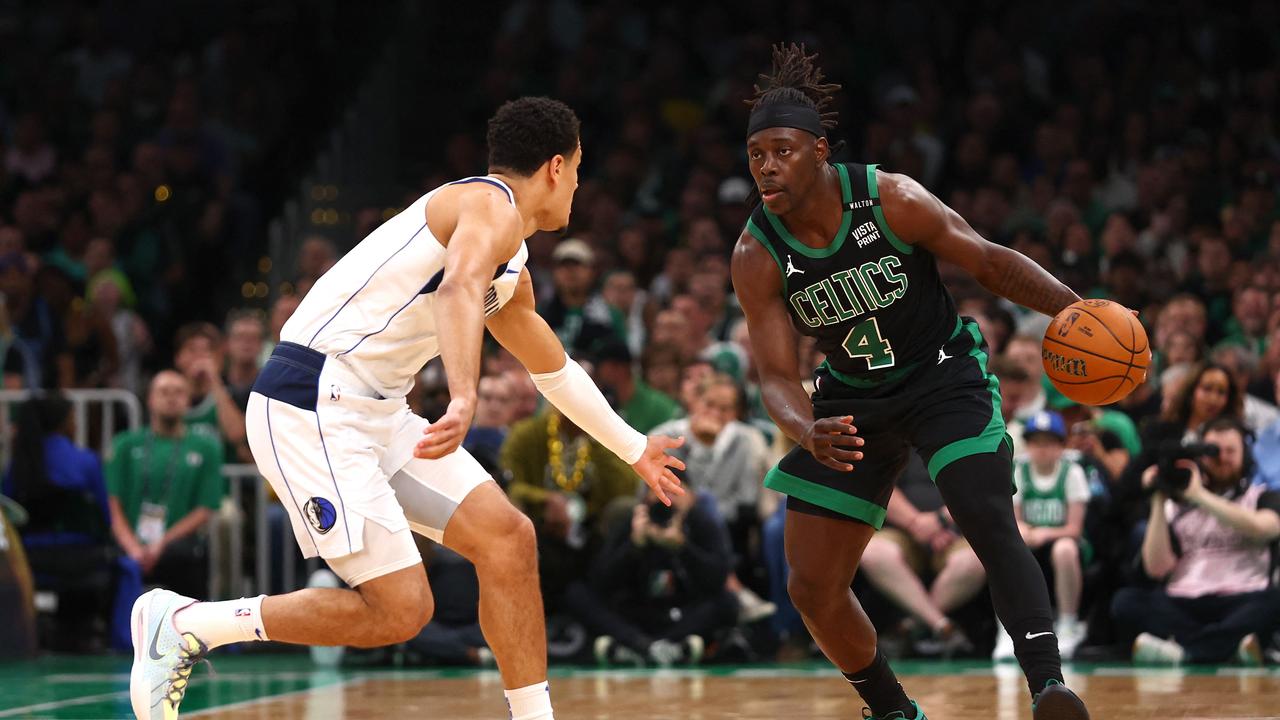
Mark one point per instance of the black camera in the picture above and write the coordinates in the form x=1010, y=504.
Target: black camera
x=1171, y=479
x=659, y=514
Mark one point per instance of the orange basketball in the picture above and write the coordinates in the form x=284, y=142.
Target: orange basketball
x=1096, y=352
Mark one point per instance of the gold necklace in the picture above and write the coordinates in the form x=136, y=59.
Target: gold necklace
x=555, y=447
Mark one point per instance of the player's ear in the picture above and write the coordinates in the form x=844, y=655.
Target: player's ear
x=821, y=150
x=555, y=166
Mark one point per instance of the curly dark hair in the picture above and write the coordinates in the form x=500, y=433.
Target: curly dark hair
x=527, y=132
x=796, y=79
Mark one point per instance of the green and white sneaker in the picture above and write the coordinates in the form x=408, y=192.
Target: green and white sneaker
x=162, y=657
x=896, y=714
x=1057, y=702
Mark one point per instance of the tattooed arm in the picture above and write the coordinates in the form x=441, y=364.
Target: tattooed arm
x=919, y=218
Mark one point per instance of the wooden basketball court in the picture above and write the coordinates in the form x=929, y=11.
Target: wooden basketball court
x=288, y=687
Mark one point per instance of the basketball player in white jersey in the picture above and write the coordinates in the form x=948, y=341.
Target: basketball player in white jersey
x=357, y=471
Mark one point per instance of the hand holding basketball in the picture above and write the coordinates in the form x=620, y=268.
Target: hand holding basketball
x=1096, y=352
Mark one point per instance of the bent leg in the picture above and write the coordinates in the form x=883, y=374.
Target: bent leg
x=382, y=609
x=824, y=553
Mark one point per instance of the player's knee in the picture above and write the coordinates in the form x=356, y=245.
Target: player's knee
x=811, y=594
x=513, y=545
x=1065, y=551
x=404, y=623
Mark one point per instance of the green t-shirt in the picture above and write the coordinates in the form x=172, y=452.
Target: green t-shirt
x=649, y=408
x=181, y=474
x=202, y=419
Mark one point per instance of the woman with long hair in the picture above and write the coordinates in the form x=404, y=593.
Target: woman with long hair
x=1205, y=394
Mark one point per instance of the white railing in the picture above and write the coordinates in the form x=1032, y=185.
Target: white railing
x=227, y=576
x=106, y=402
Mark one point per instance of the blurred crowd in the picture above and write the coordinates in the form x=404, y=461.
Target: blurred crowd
x=1135, y=156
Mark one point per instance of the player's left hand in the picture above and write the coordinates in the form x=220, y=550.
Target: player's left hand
x=654, y=467
x=446, y=434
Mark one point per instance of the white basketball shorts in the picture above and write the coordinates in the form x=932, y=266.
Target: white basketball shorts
x=339, y=456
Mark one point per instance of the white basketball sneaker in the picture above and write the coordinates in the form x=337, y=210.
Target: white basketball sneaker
x=162, y=657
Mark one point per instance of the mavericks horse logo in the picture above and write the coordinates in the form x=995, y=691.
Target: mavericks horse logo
x=321, y=514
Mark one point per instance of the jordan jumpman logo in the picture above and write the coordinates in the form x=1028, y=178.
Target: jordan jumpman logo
x=792, y=269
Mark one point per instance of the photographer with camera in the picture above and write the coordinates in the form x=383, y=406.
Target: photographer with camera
x=1211, y=539
x=657, y=587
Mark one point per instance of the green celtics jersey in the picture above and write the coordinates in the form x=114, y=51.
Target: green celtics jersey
x=875, y=304
x=1044, y=509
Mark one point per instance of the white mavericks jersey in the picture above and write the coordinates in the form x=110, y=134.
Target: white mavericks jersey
x=375, y=309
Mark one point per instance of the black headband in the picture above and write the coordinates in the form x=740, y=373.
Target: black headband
x=788, y=115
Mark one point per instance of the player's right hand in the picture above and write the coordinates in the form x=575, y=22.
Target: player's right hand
x=828, y=439
x=446, y=434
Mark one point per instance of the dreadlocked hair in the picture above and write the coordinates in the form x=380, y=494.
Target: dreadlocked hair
x=796, y=79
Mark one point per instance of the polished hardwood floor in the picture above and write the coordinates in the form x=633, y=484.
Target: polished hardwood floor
x=768, y=695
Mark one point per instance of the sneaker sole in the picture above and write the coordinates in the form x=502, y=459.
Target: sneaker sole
x=1060, y=705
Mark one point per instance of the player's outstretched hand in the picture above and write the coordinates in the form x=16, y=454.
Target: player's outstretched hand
x=828, y=440
x=446, y=434
x=654, y=467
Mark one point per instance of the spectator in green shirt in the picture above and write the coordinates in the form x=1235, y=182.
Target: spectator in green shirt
x=643, y=407
x=165, y=482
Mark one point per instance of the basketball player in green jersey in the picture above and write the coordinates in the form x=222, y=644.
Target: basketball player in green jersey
x=847, y=254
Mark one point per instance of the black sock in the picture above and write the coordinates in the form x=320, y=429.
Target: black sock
x=880, y=689
x=1036, y=647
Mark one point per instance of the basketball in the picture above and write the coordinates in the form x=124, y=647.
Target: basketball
x=1096, y=352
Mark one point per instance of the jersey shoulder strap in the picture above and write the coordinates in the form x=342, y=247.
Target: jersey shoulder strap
x=873, y=201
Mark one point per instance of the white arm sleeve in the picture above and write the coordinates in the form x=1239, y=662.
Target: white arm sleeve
x=573, y=393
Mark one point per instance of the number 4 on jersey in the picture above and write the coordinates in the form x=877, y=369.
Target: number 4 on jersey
x=865, y=341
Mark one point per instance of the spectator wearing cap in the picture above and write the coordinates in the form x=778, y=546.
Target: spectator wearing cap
x=581, y=318
x=1052, y=494
x=643, y=407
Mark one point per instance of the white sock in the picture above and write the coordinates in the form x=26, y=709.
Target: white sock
x=530, y=703
x=222, y=623
x=1066, y=619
